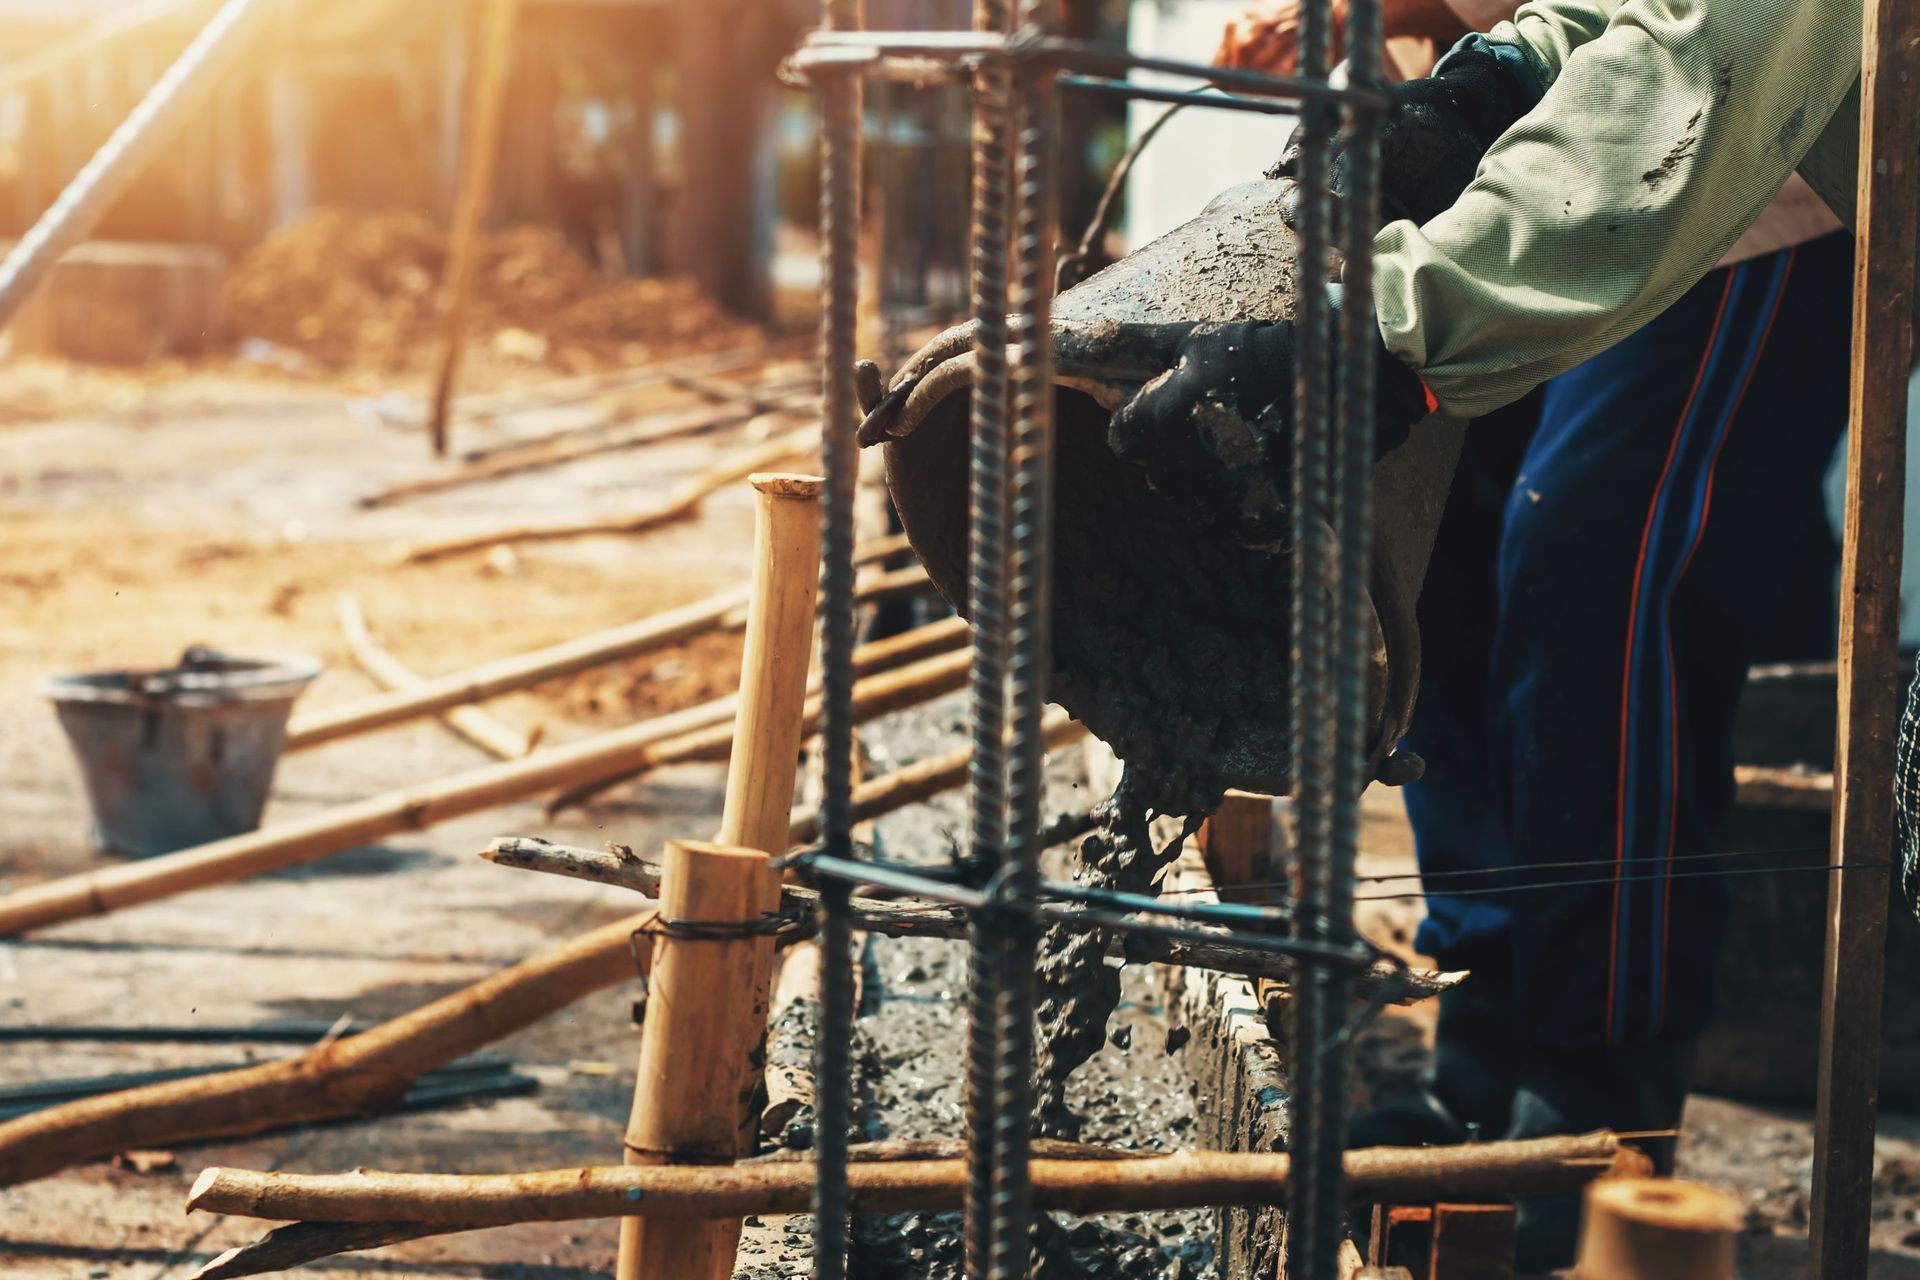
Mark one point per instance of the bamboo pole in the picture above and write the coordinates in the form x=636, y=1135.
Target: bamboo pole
x=697, y=1072
x=706, y=1013
x=680, y=504
x=480, y=152
x=359, y=1075
x=1192, y=1179
x=670, y=739
x=1657, y=1229
x=483, y=730
x=505, y=675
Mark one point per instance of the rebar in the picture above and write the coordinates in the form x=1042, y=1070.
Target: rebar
x=1030, y=656
x=839, y=248
x=1312, y=1224
x=1015, y=79
x=986, y=592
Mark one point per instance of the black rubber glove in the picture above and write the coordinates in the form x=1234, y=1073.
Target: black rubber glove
x=1438, y=129
x=1214, y=433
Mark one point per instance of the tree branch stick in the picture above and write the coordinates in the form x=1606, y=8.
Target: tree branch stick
x=936, y=920
x=479, y=727
x=1192, y=1179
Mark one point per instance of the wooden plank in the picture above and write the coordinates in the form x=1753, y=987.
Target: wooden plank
x=1869, y=691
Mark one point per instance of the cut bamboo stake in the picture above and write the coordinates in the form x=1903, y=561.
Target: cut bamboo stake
x=696, y=1050
x=480, y=728
x=680, y=504
x=621, y=868
x=698, y=1056
x=676, y=738
x=1657, y=1229
x=1189, y=1180
x=505, y=675
x=479, y=154
x=358, y=1075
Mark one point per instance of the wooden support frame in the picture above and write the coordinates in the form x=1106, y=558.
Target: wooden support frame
x=1853, y=984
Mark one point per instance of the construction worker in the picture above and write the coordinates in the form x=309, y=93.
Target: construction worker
x=1556, y=198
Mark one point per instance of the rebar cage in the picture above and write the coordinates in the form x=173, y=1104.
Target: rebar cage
x=1016, y=67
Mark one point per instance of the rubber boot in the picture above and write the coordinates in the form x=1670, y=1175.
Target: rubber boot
x=1468, y=1090
x=1629, y=1088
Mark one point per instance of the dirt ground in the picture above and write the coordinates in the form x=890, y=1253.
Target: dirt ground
x=144, y=514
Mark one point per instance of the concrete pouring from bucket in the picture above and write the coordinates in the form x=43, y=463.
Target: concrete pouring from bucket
x=180, y=756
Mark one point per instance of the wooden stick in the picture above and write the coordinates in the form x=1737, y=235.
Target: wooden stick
x=931, y=920
x=651, y=428
x=479, y=153
x=675, y=738
x=505, y=675
x=483, y=730
x=1853, y=980
x=698, y=1074
x=364, y=1074
x=1657, y=1229
x=487, y=406
x=1191, y=1179
x=680, y=504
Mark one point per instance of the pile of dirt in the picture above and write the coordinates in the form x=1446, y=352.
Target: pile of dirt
x=364, y=290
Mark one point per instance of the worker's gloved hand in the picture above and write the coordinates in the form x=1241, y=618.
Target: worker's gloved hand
x=1438, y=129
x=1214, y=433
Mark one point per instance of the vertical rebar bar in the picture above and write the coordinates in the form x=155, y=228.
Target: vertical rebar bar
x=839, y=256
x=1352, y=496
x=987, y=606
x=1030, y=648
x=1311, y=1246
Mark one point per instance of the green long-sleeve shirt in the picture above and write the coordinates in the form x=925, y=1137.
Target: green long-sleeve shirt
x=1666, y=127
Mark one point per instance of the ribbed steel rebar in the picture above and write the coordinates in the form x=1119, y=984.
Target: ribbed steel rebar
x=986, y=595
x=123, y=156
x=1030, y=644
x=1311, y=1248
x=1352, y=492
x=839, y=248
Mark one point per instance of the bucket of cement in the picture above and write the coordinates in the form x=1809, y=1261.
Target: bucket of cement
x=1170, y=639
x=177, y=757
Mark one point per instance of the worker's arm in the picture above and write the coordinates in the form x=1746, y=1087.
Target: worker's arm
x=1666, y=126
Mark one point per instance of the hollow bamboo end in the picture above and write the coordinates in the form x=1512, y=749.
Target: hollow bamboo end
x=1670, y=1204
x=787, y=484
x=704, y=850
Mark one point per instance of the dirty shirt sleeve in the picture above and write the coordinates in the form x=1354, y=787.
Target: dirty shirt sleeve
x=1665, y=128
